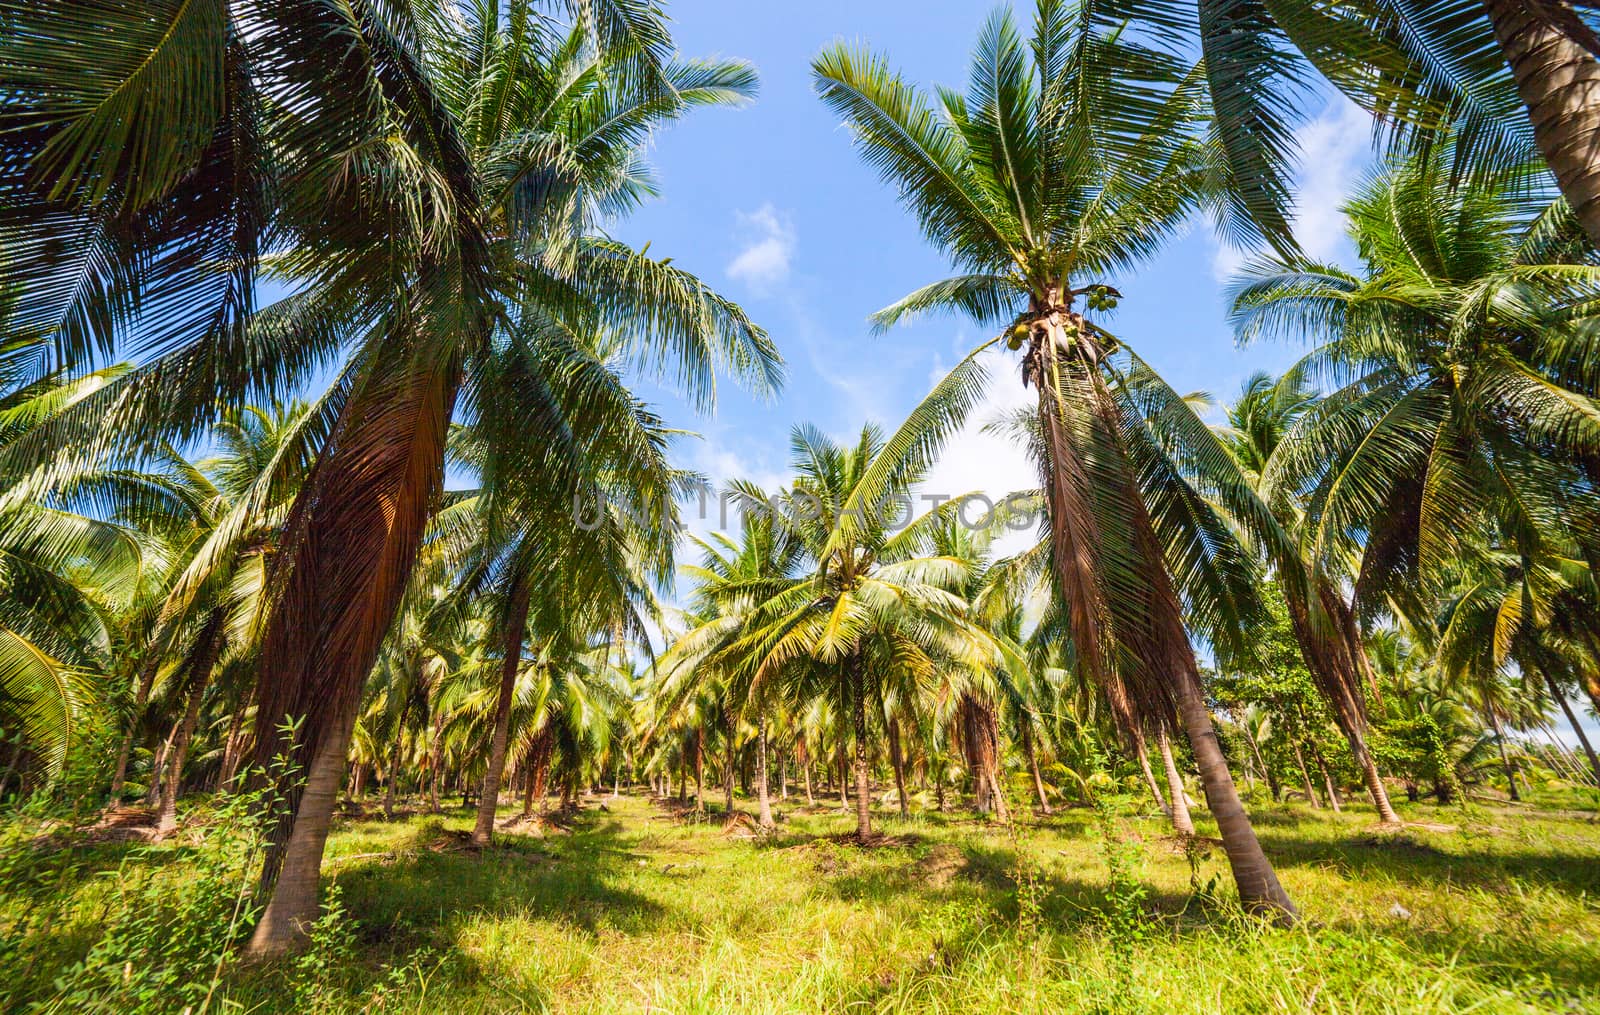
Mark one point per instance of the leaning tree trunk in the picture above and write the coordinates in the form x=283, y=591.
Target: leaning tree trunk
x=1559, y=81
x=1033, y=765
x=1337, y=660
x=863, y=776
x=511, y=660
x=764, y=801
x=1143, y=754
x=1505, y=758
x=293, y=906
x=1577, y=727
x=1305, y=775
x=1078, y=549
x=347, y=553
x=141, y=697
x=172, y=781
x=1182, y=823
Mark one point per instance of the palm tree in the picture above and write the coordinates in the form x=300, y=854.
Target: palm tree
x=876, y=605
x=1323, y=623
x=1465, y=411
x=1515, y=80
x=1071, y=158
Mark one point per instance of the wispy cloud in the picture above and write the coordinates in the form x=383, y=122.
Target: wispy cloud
x=1335, y=148
x=764, y=261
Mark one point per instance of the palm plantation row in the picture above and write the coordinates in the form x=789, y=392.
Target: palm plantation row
x=1386, y=556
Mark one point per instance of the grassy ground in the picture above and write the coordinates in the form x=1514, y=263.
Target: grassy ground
x=1478, y=908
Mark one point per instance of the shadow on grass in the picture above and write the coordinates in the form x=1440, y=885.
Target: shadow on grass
x=433, y=881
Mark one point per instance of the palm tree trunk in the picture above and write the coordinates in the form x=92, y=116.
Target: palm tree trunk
x=346, y=556
x=511, y=660
x=391, y=777
x=1327, y=776
x=803, y=757
x=991, y=735
x=764, y=801
x=1559, y=82
x=729, y=726
x=1142, y=752
x=167, y=813
x=1505, y=758
x=783, y=775
x=1033, y=765
x=233, y=748
x=1305, y=775
x=844, y=776
x=700, y=769
x=1182, y=823
x=1261, y=763
x=293, y=906
x=1577, y=727
x=141, y=697
x=858, y=707
x=898, y=761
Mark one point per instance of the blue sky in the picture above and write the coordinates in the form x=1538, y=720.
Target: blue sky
x=771, y=205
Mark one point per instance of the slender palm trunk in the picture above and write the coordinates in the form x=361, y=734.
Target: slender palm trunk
x=1266, y=773
x=391, y=778
x=896, y=759
x=1033, y=765
x=511, y=660
x=141, y=698
x=1577, y=727
x=729, y=726
x=234, y=746
x=764, y=804
x=1327, y=776
x=858, y=707
x=1505, y=757
x=167, y=813
x=783, y=775
x=803, y=758
x=1182, y=823
x=435, y=759
x=1305, y=775
x=1142, y=752
x=1559, y=82
x=699, y=769
x=844, y=776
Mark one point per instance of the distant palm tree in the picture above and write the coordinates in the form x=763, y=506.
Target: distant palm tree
x=1076, y=155
x=879, y=603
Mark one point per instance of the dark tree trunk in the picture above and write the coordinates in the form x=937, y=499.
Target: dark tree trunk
x=350, y=544
x=141, y=697
x=510, y=661
x=1078, y=548
x=1505, y=758
x=699, y=769
x=167, y=812
x=898, y=761
x=1559, y=82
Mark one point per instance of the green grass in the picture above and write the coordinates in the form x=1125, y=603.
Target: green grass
x=634, y=910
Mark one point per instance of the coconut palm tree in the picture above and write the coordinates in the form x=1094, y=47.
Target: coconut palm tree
x=1323, y=623
x=433, y=175
x=1464, y=414
x=1074, y=156
x=876, y=603
x=1514, y=80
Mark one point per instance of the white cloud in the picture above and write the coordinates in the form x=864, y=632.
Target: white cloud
x=763, y=263
x=1335, y=148
x=991, y=464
